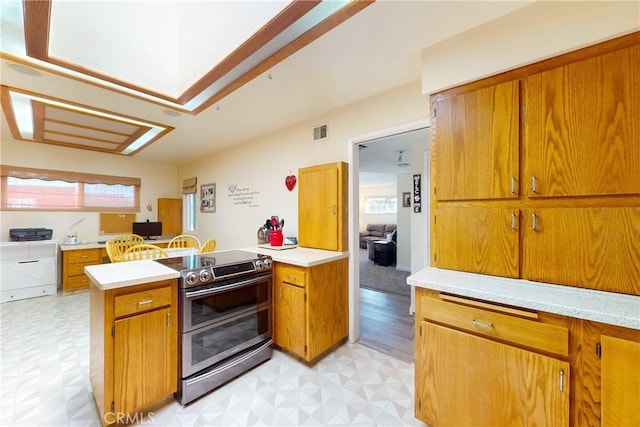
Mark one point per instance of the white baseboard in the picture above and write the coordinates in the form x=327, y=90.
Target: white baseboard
x=403, y=268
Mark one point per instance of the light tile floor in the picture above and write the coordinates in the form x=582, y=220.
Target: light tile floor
x=44, y=380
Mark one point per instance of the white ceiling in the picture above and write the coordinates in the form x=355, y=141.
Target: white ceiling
x=375, y=50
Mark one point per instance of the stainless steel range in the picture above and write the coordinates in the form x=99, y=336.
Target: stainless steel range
x=225, y=327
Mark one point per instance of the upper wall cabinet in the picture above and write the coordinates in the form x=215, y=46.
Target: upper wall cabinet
x=322, y=207
x=477, y=240
x=581, y=131
x=477, y=145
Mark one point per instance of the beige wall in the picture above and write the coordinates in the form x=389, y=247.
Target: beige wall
x=538, y=31
x=261, y=165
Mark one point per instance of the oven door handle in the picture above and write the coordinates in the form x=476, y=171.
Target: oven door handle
x=224, y=288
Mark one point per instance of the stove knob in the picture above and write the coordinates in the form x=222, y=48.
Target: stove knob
x=192, y=278
x=267, y=263
x=205, y=275
x=259, y=265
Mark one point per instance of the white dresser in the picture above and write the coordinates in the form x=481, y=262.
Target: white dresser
x=28, y=269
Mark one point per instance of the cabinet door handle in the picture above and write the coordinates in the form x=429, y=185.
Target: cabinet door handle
x=533, y=221
x=513, y=221
x=534, y=184
x=561, y=380
x=482, y=324
x=168, y=319
x=149, y=301
x=513, y=185
x=334, y=209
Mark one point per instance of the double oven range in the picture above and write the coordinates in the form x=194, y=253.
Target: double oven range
x=225, y=307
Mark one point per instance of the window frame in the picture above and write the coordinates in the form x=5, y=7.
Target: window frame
x=7, y=171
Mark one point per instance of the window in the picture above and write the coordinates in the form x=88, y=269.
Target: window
x=190, y=204
x=190, y=211
x=380, y=205
x=40, y=189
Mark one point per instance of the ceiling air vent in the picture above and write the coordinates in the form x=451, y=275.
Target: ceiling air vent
x=320, y=133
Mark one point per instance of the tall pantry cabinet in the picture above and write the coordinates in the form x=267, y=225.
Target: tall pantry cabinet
x=542, y=183
x=535, y=176
x=322, y=207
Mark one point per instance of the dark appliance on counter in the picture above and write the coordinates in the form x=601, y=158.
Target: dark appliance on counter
x=225, y=305
x=30, y=234
x=148, y=230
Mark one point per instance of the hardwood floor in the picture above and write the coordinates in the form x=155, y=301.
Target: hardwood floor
x=385, y=323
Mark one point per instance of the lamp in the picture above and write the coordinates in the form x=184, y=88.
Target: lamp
x=400, y=162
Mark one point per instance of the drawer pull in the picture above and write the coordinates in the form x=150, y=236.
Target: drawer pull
x=482, y=324
x=149, y=301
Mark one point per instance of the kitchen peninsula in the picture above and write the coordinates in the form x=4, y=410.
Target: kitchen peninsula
x=134, y=322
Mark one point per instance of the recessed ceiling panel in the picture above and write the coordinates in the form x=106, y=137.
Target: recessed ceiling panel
x=38, y=118
x=88, y=120
x=71, y=129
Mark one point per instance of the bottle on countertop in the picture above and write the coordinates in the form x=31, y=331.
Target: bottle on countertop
x=262, y=235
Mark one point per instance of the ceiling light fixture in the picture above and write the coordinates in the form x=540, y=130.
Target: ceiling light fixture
x=23, y=69
x=171, y=113
x=400, y=162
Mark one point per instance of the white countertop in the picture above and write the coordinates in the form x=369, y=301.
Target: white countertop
x=303, y=257
x=111, y=276
x=96, y=245
x=599, y=306
x=121, y=274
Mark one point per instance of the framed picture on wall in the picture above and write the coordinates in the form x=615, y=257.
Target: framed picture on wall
x=406, y=200
x=208, y=198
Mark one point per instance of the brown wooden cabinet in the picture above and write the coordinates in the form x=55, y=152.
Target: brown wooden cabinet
x=482, y=240
x=134, y=347
x=585, y=247
x=322, y=207
x=582, y=133
x=501, y=384
x=311, y=308
x=478, y=143
x=170, y=214
x=575, y=193
x=620, y=382
x=73, y=263
x=511, y=367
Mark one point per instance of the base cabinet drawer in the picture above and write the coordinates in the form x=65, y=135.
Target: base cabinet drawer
x=522, y=332
x=139, y=302
x=73, y=264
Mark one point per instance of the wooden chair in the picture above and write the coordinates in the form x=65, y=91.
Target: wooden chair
x=118, y=245
x=208, y=246
x=144, y=251
x=184, y=241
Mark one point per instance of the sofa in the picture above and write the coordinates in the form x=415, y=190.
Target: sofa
x=376, y=232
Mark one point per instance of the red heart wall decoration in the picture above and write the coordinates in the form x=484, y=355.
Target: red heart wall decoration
x=290, y=182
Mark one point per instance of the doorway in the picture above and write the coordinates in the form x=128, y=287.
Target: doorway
x=379, y=318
